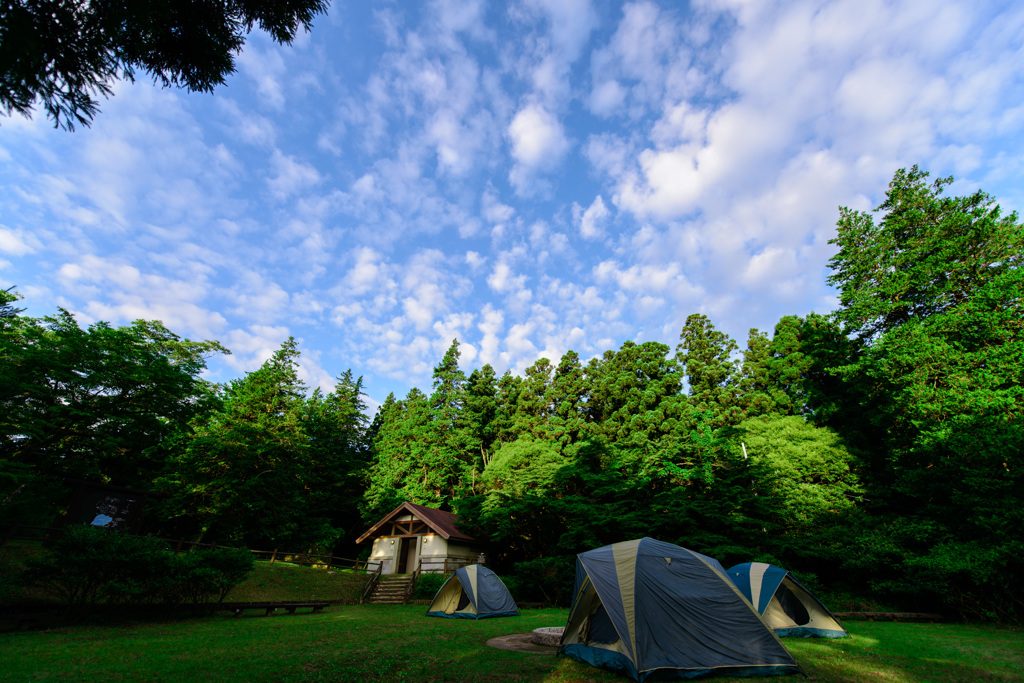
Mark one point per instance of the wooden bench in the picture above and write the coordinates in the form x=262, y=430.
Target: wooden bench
x=890, y=616
x=19, y=621
x=269, y=607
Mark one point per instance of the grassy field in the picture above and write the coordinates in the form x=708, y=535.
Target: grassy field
x=278, y=581
x=378, y=643
x=284, y=581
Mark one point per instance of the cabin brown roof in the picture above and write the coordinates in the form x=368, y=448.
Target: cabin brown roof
x=443, y=523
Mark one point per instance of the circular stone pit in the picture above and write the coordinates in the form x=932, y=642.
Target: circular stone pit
x=549, y=635
x=540, y=641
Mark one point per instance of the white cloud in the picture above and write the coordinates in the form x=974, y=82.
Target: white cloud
x=504, y=280
x=258, y=298
x=538, y=139
x=267, y=69
x=120, y=293
x=369, y=273
x=12, y=242
x=247, y=126
x=607, y=97
x=475, y=261
x=590, y=219
x=290, y=175
x=493, y=210
x=538, y=144
x=252, y=347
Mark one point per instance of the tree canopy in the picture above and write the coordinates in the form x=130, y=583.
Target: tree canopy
x=66, y=53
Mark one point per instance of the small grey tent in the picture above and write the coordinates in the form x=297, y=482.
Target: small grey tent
x=784, y=603
x=650, y=609
x=473, y=592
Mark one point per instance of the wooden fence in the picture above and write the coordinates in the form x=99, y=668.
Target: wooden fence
x=441, y=565
x=308, y=558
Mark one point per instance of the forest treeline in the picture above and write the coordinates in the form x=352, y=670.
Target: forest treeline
x=876, y=450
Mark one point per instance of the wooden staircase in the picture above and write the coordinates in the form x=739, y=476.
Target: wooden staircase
x=391, y=589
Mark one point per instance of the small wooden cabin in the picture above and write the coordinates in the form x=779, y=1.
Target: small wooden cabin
x=412, y=536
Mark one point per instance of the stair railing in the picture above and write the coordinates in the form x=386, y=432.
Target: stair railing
x=371, y=583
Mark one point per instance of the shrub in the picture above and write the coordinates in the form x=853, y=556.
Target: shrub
x=548, y=578
x=208, y=574
x=87, y=565
x=428, y=585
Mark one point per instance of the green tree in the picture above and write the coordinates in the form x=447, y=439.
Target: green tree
x=481, y=413
x=759, y=395
x=96, y=403
x=519, y=468
x=567, y=397
x=806, y=470
x=451, y=454
x=7, y=308
x=66, y=52
x=335, y=426
x=424, y=448
x=532, y=405
x=935, y=292
x=928, y=255
x=706, y=356
x=805, y=376
x=391, y=440
x=244, y=473
x=643, y=418
x=507, y=397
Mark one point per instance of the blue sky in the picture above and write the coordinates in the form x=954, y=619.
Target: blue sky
x=529, y=177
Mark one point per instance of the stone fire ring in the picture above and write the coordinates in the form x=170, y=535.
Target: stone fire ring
x=540, y=641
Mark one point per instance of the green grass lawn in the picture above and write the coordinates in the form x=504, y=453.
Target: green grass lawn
x=284, y=581
x=379, y=643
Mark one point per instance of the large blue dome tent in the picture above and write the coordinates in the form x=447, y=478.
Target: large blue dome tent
x=785, y=604
x=473, y=592
x=650, y=609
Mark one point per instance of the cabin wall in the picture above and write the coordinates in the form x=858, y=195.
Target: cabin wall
x=385, y=551
x=431, y=550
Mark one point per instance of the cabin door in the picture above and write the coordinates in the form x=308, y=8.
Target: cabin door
x=407, y=555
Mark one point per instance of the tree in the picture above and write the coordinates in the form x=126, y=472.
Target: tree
x=7, y=308
x=481, y=412
x=568, y=395
x=758, y=394
x=804, y=372
x=706, y=357
x=388, y=457
x=451, y=454
x=805, y=470
x=66, y=52
x=929, y=254
x=532, y=406
x=338, y=455
x=245, y=473
x=935, y=293
x=96, y=403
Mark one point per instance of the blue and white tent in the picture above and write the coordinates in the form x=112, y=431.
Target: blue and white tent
x=650, y=609
x=473, y=592
x=784, y=603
